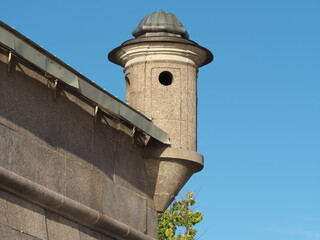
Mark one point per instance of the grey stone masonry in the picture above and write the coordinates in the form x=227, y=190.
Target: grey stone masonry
x=22, y=220
x=58, y=148
x=76, y=162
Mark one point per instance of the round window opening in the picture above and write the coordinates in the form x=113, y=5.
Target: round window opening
x=165, y=78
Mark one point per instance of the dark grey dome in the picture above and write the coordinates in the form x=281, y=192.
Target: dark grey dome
x=160, y=23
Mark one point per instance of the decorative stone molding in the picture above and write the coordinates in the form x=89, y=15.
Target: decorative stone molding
x=66, y=207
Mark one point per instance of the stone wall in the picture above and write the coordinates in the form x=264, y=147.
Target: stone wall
x=55, y=144
x=21, y=220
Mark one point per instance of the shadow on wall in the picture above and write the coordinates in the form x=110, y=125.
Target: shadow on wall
x=44, y=139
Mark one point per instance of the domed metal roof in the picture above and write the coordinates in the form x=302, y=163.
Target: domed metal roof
x=160, y=23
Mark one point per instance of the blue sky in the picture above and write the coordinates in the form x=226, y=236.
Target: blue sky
x=259, y=101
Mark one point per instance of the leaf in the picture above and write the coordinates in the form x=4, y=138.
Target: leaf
x=179, y=215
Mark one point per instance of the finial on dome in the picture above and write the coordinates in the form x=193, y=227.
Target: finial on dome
x=160, y=23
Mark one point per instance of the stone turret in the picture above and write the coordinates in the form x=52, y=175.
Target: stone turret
x=160, y=67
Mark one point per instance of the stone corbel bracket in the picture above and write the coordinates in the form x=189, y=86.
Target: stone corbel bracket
x=169, y=169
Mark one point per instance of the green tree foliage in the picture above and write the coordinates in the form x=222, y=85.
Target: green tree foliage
x=179, y=216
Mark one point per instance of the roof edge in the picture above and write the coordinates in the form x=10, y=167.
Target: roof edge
x=23, y=47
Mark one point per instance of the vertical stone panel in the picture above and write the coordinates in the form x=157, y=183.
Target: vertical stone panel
x=71, y=108
x=136, y=84
x=130, y=170
x=192, y=140
x=152, y=219
x=173, y=127
x=103, y=155
x=192, y=108
x=7, y=233
x=184, y=77
x=184, y=135
x=184, y=106
x=75, y=139
x=60, y=228
x=22, y=216
x=87, y=234
x=31, y=160
x=125, y=206
x=135, y=78
x=137, y=100
x=165, y=100
x=148, y=93
x=84, y=184
x=23, y=105
x=192, y=79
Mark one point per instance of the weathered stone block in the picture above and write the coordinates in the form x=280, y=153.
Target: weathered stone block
x=7, y=233
x=152, y=219
x=87, y=234
x=137, y=100
x=3, y=208
x=103, y=155
x=74, y=109
x=84, y=184
x=130, y=170
x=192, y=136
x=22, y=216
x=166, y=105
x=29, y=81
x=123, y=139
x=105, y=126
x=192, y=79
x=173, y=127
x=30, y=111
x=184, y=134
x=133, y=78
x=192, y=107
x=75, y=139
x=31, y=160
x=125, y=206
x=60, y=228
